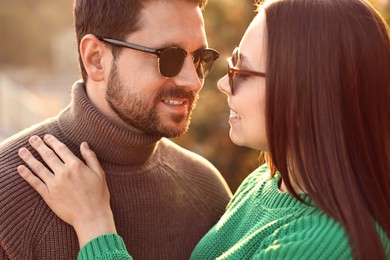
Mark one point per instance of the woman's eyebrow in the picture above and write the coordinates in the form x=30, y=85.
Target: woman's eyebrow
x=243, y=58
x=244, y=61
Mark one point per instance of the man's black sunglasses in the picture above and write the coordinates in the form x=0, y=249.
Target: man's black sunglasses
x=171, y=59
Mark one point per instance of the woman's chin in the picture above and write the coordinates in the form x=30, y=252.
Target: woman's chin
x=236, y=138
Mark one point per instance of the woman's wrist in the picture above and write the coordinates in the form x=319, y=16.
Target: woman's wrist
x=94, y=226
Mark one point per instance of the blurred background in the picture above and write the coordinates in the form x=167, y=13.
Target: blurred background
x=38, y=65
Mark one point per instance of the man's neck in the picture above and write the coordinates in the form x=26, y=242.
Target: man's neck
x=111, y=142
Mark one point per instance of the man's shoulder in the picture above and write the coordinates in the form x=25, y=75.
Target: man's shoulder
x=21, y=138
x=21, y=207
x=178, y=155
x=198, y=176
x=13, y=189
x=193, y=169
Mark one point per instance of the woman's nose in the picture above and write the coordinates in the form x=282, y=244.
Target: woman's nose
x=223, y=85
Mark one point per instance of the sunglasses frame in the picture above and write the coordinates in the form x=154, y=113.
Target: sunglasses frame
x=158, y=52
x=232, y=70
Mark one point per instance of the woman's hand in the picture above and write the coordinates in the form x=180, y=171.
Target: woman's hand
x=77, y=193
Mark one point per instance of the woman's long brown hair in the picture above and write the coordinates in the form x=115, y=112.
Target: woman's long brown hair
x=328, y=112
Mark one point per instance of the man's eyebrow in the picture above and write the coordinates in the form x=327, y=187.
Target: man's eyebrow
x=172, y=44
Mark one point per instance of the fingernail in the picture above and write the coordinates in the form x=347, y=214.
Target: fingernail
x=22, y=151
x=21, y=169
x=86, y=145
x=47, y=137
x=33, y=138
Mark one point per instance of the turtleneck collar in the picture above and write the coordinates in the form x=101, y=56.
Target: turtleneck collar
x=112, y=143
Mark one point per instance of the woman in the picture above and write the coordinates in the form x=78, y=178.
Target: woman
x=310, y=85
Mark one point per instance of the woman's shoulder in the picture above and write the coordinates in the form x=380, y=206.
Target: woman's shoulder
x=253, y=182
x=309, y=236
x=258, y=176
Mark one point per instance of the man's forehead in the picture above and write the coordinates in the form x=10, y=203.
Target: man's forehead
x=200, y=3
x=166, y=23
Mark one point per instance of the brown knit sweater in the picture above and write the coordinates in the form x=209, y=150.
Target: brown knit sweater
x=164, y=198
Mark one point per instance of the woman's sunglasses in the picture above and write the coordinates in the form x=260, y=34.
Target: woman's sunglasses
x=233, y=71
x=171, y=59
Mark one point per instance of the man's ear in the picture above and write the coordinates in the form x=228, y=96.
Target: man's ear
x=92, y=51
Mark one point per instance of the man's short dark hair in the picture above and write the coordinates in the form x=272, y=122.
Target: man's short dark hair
x=109, y=18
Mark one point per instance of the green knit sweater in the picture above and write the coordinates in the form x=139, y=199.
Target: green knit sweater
x=260, y=222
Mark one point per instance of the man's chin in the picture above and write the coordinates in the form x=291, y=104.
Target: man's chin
x=174, y=130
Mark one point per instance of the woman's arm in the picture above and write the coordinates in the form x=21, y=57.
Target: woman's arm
x=77, y=193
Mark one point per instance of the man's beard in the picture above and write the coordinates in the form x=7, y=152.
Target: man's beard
x=141, y=112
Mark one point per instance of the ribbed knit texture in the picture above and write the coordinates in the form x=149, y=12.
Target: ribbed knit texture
x=262, y=222
x=108, y=247
x=164, y=198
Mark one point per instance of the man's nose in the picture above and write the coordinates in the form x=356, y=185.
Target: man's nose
x=188, y=76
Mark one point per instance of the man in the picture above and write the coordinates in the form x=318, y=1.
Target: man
x=164, y=198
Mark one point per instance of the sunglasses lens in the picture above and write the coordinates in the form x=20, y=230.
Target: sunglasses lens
x=230, y=75
x=232, y=62
x=235, y=56
x=204, y=61
x=171, y=61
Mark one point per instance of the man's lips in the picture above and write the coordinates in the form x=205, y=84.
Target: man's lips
x=174, y=102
